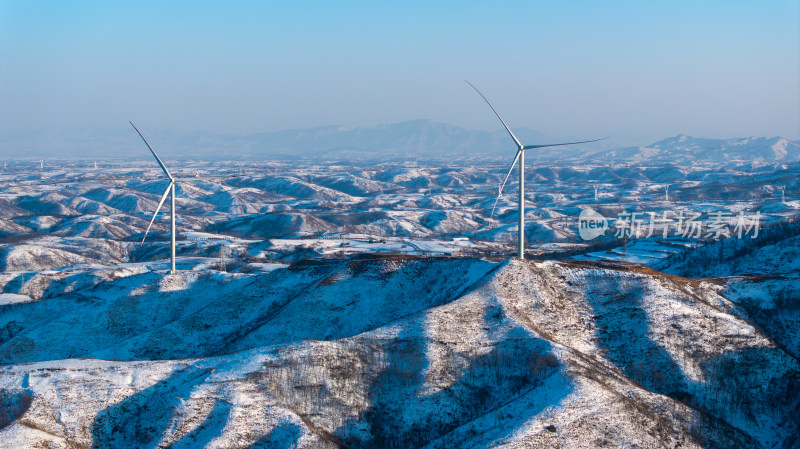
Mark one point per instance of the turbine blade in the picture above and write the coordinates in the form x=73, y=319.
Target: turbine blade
x=160, y=203
x=163, y=167
x=530, y=147
x=500, y=192
x=519, y=145
x=495, y=205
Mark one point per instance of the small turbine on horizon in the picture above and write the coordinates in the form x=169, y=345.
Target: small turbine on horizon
x=170, y=190
x=521, y=157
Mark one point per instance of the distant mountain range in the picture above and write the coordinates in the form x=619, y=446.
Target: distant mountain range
x=414, y=139
x=686, y=149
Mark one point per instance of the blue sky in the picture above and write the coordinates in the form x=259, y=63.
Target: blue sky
x=636, y=71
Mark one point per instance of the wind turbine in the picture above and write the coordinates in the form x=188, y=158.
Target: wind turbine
x=170, y=191
x=521, y=157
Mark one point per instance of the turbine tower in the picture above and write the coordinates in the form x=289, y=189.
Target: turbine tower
x=170, y=191
x=521, y=157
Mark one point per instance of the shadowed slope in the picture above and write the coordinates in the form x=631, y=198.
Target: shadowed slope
x=405, y=352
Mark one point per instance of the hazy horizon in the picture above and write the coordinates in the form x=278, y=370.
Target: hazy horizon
x=636, y=72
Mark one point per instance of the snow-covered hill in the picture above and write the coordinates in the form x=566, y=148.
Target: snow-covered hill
x=776, y=251
x=394, y=352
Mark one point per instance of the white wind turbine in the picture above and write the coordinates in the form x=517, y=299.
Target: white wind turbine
x=521, y=157
x=170, y=189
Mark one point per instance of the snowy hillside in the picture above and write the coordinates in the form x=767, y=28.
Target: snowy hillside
x=777, y=251
x=313, y=307
x=55, y=217
x=393, y=352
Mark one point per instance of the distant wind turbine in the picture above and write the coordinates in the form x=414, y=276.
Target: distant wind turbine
x=521, y=157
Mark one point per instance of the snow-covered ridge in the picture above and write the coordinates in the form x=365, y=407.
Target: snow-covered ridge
x=395, y=352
